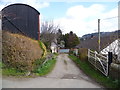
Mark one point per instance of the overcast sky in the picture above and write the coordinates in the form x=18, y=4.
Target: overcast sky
x=77, y=16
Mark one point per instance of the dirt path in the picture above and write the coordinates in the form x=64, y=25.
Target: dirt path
x=66, y=69
x=64, y=75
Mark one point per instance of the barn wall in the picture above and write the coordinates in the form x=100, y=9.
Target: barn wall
x=0, y=24
x=21, y=18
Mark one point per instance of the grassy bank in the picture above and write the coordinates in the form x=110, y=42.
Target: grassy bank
x=10, y=71
x=94, y=74
x=46, y=68
x=40, y=70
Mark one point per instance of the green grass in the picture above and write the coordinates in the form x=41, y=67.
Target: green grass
x=10, y=71
x=39, y=69
x=65, y=62
x=46, y=68
x=97, y=76
x=56, y=54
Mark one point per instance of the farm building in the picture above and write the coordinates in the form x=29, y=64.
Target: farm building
x=113, y=47
x=21, y=18
x=54, y=47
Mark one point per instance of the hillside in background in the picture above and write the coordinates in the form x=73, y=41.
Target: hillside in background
x=90, y=41
x=102, y=34
x=19, y=51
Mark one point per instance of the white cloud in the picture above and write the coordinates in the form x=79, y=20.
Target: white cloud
x=34, y=3
x=82, y=20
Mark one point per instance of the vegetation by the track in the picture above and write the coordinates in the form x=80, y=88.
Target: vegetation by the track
x=46, y=68
x=97, y=76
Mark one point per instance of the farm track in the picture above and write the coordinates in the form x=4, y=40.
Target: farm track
x=65, y=75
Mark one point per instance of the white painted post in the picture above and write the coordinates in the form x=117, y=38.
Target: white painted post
x=107, y=67
x=95, y=59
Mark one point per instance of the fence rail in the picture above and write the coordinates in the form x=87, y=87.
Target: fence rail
x=99, y=61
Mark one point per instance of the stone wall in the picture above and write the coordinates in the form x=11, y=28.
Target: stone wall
x=114, y=71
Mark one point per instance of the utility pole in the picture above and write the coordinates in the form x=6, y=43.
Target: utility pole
x=98, y=35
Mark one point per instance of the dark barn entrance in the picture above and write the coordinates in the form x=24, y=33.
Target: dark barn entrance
x=21, y=18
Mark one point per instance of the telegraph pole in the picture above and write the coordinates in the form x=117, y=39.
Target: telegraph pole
x=98, y=35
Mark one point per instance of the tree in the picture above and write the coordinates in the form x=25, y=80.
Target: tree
x=48, y=33
x=59, y=36
x=71, y=40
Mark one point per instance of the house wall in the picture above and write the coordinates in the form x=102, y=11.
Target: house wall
x=54, y=49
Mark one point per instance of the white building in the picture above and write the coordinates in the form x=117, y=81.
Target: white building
x=114, y=47
x=54, y=47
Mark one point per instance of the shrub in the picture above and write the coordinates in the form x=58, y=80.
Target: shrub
x=44, y=49
x=38, y=63
x=19, y=52
x=83, y=53
x=71, y=51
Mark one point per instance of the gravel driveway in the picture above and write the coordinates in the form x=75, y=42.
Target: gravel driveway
x=65, y=75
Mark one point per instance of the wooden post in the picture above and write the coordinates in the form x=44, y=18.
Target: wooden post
x=88, y=54
x=95, y=60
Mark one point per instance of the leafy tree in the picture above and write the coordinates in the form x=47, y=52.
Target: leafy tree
x=71, y=40
x=59, y=36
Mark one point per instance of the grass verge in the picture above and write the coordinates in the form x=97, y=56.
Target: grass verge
x=39, y=69
x=46, y=68
x=85, y=66
x=10, y=71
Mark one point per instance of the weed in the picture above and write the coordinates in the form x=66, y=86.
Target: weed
x=65, y=62
x=12, y=72
x=46, y=68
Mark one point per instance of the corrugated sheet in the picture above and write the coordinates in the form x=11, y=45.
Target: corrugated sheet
x=21, y=18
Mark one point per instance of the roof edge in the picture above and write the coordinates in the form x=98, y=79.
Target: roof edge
x=21, y=4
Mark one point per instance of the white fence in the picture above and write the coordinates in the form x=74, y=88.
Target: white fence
x=99, y=61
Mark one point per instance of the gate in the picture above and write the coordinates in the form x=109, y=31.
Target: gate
x=63, y=50
x=100, y=62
